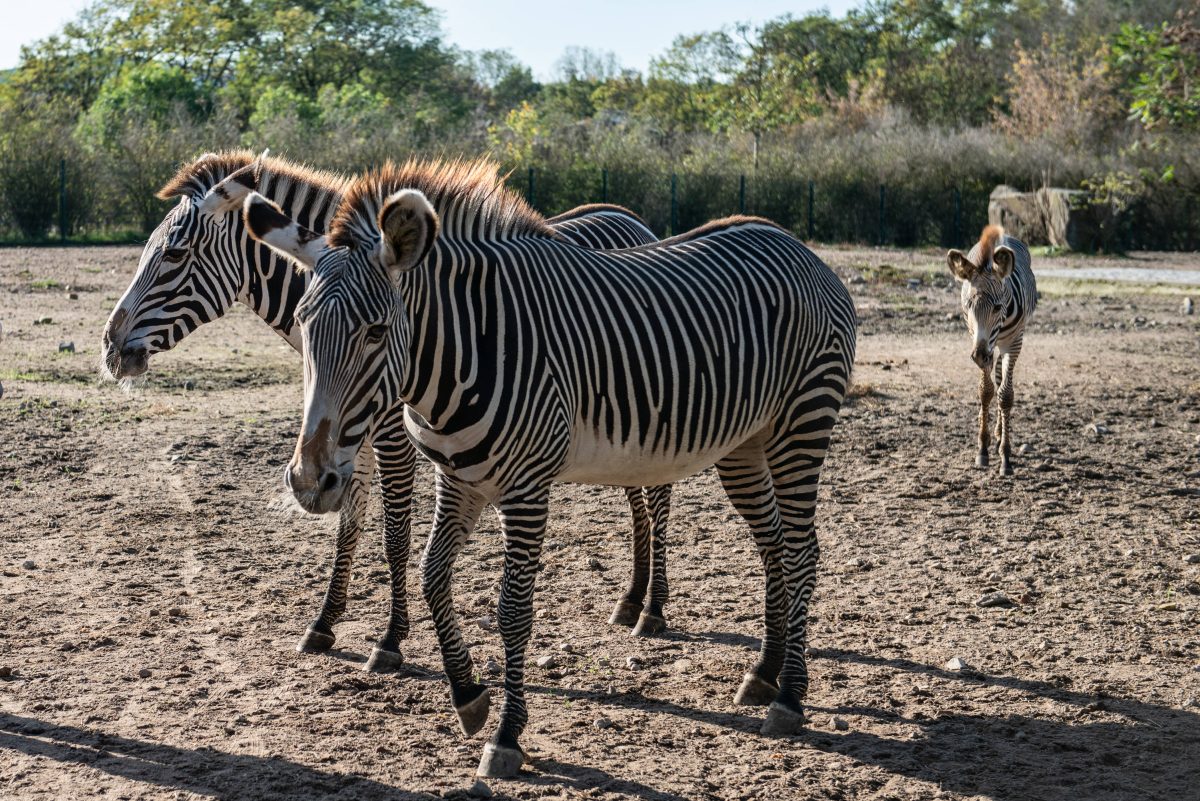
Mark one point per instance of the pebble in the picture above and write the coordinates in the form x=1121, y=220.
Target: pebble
x=72, y=296
x=956, y=664
x=602, y=723
x=480, y=789
x=66, y=347
x=566, y=648
x=633, y=663
x=43, y=321
x=547, y=661
x=994, y=599
x=29, y=564
x=1187, y=307
x=914, y=283
x=838, y=724
x=1192, y=559
x=1188, y=703
x=492, y=666
x=594, y=564
x=951, y=317
x=1024, y=449
x=175, y=611
x=189, y=385
x=1168, y=607
x=1096, y=429
x=5, y=671
x=144, y=673
x=486, y=623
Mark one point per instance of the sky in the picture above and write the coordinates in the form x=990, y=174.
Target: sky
x=536, y=31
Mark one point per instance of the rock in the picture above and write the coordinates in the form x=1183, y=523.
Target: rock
x=594, y=564
x=1, y=390
x=857, y=279
x=992, y=599
x=602, y=723
x=72, y=296
x=1187, y=307
x=1192, y=559
x=189, y=385
x=956, y=664
x=480, y=789
x=914, y=283
x=566, y=647
x=486, y=623
x=492, y=666
x=838, y=724
x=1018, y=212
x=175, y=611
x=66, y=346
x=1096, y=430
x=1188, y=703
x=29, y=564
x=547, y=661
x=144, y=673
x=951, y=317
x=1168, y=607
x=5, y=671
x=633, y=663
x=43, y=321
x=1023, y=449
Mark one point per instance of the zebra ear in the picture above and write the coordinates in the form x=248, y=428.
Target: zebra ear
x=408, y=226
x=1003, y=261
x=281, y=233
x=962, y=268
x=230, y=193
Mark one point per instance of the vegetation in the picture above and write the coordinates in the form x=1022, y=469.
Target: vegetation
x=936, y=100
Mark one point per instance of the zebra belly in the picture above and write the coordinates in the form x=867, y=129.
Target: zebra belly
x=596, y=460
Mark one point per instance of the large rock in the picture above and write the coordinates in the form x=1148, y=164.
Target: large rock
x=1064, y=214
x=1061, y=218
x=1018, y=212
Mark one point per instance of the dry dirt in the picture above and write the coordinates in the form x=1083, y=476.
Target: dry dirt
x=151, y=593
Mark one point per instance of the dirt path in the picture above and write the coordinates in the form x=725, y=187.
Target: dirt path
x=151, y=593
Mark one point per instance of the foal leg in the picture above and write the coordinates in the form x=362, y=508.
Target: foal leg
x=986, y=391
x=652, y=620
x=630, y=606
x=397, y=461
x=1006, y=404
x=523, y=516
x=319, y=637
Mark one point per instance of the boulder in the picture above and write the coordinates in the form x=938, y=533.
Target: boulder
x=1018, y=212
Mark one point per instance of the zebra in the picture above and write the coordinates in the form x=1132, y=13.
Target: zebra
x=999, y=294
x=523, y=359
x=200, y=261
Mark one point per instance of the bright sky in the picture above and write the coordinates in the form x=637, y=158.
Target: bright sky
x=536, y=31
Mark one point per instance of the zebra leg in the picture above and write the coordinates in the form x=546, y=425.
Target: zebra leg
x=986, y=391
x=318, y=637
x=747, y=482
x=523, y=516
x=630, y=606
x=457, y=510
x=796, y=455
x=652, y=620
x=1006, y=404
x=397, y=461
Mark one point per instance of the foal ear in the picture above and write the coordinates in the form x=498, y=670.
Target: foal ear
x=1003, y=261
x=408, y=227
x=231, y=192
x=962, y=268
x=267, y=224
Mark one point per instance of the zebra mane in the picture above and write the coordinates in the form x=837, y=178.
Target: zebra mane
x=469, y=196
x=197, y=177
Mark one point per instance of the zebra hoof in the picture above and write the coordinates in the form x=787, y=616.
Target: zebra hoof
x=315, y=641
x=648, y=625
x=782, y=721
x=474, y=713
x=755, y=691
x=382, y=661
x=500, y=762
x=625, y=614
x=982, y=459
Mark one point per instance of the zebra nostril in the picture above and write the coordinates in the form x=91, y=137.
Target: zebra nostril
x=329, y=481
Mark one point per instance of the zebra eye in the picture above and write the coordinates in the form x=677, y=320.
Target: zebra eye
x=998, y=308
x=174, y=254
x=376, y=333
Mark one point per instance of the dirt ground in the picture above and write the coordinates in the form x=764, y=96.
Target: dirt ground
x=152, y=591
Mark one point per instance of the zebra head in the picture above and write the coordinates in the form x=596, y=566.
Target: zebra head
x=186, y=276
x=985, y=293
x=354, y=328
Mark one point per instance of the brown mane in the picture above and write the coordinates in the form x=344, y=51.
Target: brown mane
x=197, y=177
x=466, y=194
x=988, y=241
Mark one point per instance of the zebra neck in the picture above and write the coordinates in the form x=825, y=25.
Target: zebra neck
x=272, y=285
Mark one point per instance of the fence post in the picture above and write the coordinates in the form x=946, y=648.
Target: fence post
x=957, y=218
x=810, y=211
x=62, y=199
x=742, y=194
x=604, y=185
x=881, y=221
x=674, y=205
x=530, y=193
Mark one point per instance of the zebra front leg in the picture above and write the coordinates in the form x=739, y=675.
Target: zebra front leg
x=397, y=461
x=523, y=517
x=319, y=637
x=652, y=620
x=1006, y=404
x=629, y=607
x=986, y=391
x=455, y=514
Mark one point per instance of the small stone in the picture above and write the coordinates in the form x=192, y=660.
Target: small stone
x=43, y=321
x=951, y=317
x=633, y=663
x=189, y=385
x=1192, y=559
x=547, y=661
x=992, y=599
x=72, y=296
x=66, y=346
x=566, y=647
x=1096, y=430
x=29, y=564
x=602, y=723
x=492, y=666
x=1187, y=307
x=175, y=611
x=1188, y=703
x=838, y=724
x=857, y=279
x=5, y=671
x=956, y=664
x=486, y=623
x=914, y=283
x=480, y=789
x=1168, y=607
x=1023, y=449
x=67, y=646
x=144, y=673
x=594, y=564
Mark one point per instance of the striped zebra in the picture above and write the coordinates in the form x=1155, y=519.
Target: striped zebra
x=524, y=359
x=999, y=295
x=200, y=261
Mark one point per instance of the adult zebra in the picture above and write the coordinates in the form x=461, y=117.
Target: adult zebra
x=524, y=359
x=200, y=261
x=998, y=297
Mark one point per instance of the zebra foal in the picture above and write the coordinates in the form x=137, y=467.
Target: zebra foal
x=998, y=297
x=524, y=359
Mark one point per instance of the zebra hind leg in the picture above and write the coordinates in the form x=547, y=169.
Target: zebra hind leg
x=397, y=464
x=747, y=481
x=653, y=620
x=629, y=607
x=319, y=638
